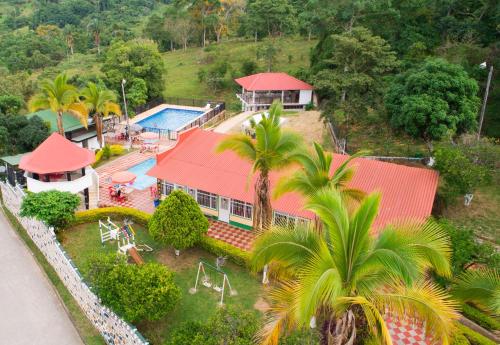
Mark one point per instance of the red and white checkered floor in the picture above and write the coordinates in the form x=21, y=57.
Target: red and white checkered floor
x=402, y=333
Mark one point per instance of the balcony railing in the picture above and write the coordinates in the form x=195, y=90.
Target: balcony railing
x=268, y=99
x=73, y=186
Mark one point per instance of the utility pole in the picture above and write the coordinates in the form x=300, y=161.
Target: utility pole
x=485, y=99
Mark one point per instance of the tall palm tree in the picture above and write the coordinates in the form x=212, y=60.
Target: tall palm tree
x=100, y=102
x=59, y=96
x=481, y=287
x=315, y=174
x=272, y=149
x=349, y=280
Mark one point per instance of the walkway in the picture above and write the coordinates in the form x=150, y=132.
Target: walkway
x=232, y=122
x=235, y=236
x=31, y=311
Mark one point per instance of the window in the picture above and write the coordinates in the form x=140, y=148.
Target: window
x=192, y=192
x=241, y=209
x=286, y=220
x=167, y=188
x=207, y=199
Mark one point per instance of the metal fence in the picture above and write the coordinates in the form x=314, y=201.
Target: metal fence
x=188, y=102
x=113, y=329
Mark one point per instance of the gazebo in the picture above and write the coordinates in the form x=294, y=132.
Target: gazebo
x=59, y=164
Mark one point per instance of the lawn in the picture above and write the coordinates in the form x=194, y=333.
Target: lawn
x=84, y=240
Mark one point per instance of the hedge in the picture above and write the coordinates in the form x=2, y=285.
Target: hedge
x=94, y=215
x=459, y=339
x=474, y=337
x=211, y=245
x=220, y=248
x=479, y=317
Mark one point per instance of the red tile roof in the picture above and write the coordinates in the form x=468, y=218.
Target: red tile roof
x=56, y=154
x=407, y=192
x=272, y=82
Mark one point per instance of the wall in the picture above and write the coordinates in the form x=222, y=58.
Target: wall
x=244, y=222
x=74, y=186
x=305, y=96
x=209, y=211
x=113, y=329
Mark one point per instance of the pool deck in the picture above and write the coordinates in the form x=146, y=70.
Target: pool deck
x=158, y=108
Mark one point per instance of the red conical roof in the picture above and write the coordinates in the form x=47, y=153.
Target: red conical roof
x=56, y=154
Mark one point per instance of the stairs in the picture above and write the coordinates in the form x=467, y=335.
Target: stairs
x=94, y=191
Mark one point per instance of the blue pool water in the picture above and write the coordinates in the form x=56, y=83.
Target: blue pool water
x=143, y=181
x=170, y=118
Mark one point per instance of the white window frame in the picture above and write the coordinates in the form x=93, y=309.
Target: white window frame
x=213, y=199
x=291, y=221
x=165, y=185
x=247, y=208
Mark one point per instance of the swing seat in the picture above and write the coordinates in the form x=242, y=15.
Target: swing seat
x=206, y=282
x=217, y=288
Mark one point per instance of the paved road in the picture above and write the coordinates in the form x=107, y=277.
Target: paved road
x=31, y=313
x=232, y=122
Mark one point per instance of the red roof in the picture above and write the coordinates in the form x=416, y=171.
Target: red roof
x=272, y=82
x=56, y=154
x=407, y=192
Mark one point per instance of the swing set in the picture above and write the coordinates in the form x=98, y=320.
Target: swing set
x=212, y=277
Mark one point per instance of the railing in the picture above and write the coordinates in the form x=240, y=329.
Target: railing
x=188, y=102
x=113, y=329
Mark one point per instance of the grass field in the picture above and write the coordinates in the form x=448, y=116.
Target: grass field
x=84, y=240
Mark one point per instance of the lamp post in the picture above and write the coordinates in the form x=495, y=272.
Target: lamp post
x=126, y=112
x=485, y=99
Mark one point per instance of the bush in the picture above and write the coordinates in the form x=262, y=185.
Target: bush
x=248, y=67
x=94, y=215
x=459, y=339
x=479, y=317
x=54, y=208
x=178, y=221
x=309, y=106
x=220, y=248
x=136, y=292
x=98, y=157
x=116, y=150
x=106, y=152
x=474, y=338
x=228, y=326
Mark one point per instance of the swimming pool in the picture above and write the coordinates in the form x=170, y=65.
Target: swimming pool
x=143, y=181
x=170, y=118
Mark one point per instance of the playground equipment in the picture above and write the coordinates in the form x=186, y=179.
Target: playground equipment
x=125, y=237
x=215, y=278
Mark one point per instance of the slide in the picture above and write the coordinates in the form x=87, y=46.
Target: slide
x=134, y=254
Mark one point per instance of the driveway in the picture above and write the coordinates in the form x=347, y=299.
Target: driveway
x=32, y=314
x=233, y=123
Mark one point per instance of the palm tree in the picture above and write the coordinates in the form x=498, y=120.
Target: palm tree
x=60, y=97
x=349, y=280
x=273, y=149
x=100, y=102
x=315, y=174
x=481, y=287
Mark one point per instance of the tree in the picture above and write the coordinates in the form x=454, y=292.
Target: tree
x=95, y=29
x=272, y=17
x=349, y=74
x=227, y=11
x=433, y=100
x=481, y=287
x=462, y=176
x=137, y=93
x=136, y=292
x=315, y=173
x=10, y=104
x=268, y=51
x=60, y=97
x=178, y=221
x=21, y=134
x=100, y=102
x=54, y=208
x=348, y=279
x=135, y=59
x=273, y=149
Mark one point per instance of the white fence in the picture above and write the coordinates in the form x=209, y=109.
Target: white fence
x=113, y=329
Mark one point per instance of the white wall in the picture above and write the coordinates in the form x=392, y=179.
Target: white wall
x=93, y=144
x=74, y=186
x=305, y=96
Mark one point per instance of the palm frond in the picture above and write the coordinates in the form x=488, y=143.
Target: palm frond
x=79, y=110
x=481, y=287
x=241, y=144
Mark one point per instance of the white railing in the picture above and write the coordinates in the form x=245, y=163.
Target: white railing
x=113, y=329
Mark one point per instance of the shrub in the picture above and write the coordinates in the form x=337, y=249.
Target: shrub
x=94, y=215
x=106, y=152
x=145, y=292
x=178, y=221
x=228, y=326
x=54, y=208
x=220, y=248
x=309, y=106
x=479, y=317
x=116, y=150
x=98, y=157
x=474, y=338
x=459, y=339
x=248, y=67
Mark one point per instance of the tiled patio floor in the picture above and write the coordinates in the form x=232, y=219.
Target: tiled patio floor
x=235, y=236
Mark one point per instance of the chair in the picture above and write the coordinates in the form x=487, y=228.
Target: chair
x=112, y=192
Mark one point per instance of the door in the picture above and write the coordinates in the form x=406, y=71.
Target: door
x=224, y=209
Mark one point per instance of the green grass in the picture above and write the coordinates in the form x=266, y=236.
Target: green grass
x=88, y=333
x=84, y=240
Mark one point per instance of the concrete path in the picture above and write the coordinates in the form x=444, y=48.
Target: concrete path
x=32, y=314
x=232, y=122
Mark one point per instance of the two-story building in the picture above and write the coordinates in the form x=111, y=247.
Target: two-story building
x=219, y=183
x=259, y=91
